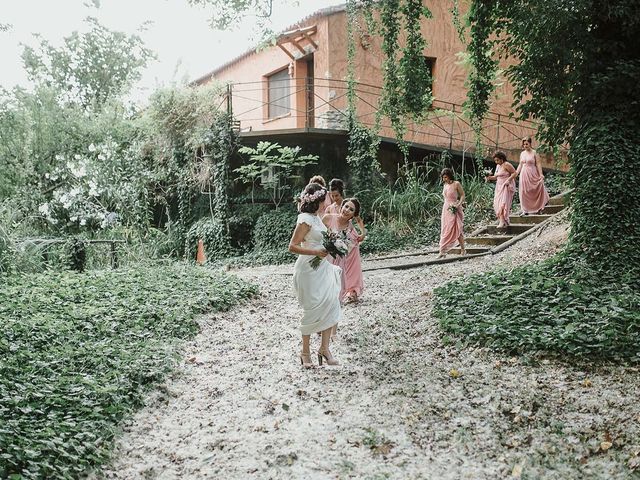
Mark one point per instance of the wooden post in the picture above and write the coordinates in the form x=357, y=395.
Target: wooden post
x=114, y=256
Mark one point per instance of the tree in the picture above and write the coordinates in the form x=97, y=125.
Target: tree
x=90, y=67
x=275, y=166
x=228, y=13
x=68, y=146
x=574, y=64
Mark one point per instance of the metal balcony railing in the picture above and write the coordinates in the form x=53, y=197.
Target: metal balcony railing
x=321, y=103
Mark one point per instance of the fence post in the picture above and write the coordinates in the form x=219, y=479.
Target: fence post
x=498, y=133
x=114, y=255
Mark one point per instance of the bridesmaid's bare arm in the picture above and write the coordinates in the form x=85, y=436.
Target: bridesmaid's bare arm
x=539, y=165
x=363, y=231
x=460, y=191
x=517, y=172
x=297, y=238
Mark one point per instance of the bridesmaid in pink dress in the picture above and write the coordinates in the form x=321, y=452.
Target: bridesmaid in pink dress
x=451, y=223
x=533, y=193
x=351, y=264
x=336, y=193
x=505, y=188
x=319, y=179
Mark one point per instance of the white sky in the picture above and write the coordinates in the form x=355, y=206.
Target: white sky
x=180, y=35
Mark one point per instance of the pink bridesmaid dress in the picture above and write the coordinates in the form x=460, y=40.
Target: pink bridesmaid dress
x=333, y=208
x=324, y=206
x=503, y=197
x=450, y=223
x=351, y=264
x=533, y=193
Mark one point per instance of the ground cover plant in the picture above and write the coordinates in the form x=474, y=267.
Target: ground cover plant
x=79, y=350
x=542, y=308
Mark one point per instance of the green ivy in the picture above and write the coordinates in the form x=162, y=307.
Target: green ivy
x=541, y=308
x=572, y=67
x=80, y=350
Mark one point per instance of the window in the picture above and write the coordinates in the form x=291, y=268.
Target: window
x=279, y=94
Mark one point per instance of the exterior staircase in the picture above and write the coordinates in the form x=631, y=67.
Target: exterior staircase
x=486, y=240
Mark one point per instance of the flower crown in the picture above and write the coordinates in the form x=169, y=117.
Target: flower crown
x=312, y=197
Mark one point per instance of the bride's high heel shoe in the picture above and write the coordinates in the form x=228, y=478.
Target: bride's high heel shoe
x=327, y=357
x=305, y=360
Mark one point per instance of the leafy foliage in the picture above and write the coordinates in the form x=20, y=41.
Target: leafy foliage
x=91, y=67
x=212, y=233
x=362, y=156
x=272, y=233
x=226, y=13
x=541, y=308
x=79, y=351
x=572, y=65
x=276, y=166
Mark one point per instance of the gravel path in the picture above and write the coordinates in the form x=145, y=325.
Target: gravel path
x=402, y=404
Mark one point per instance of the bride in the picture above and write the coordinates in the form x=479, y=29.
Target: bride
x=317, y=289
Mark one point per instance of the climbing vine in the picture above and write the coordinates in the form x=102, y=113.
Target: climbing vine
x=415, y=74
x=190, y=143
x=407, y=82
x=364, y=142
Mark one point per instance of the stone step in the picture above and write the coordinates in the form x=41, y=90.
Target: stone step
x=557, y=200
x=528, y=219
x=488, y=240
x=513, y=229
x=552, y=209
x=471, y=250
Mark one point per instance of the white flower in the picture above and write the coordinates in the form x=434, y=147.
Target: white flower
x=93, y=189
x=92, y=148
x=83, y=222
x=59, y=157
x=77, y=157
x=46, y=175
x=74, y=218
x=44, y=209
x=78, y=171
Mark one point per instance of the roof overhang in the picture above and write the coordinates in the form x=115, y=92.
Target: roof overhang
x=298, y=43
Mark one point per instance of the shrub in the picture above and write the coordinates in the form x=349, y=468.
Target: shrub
x=213, y=233
x=273, y=230
x=546, y=307
x=382, y=238
x=242, y=222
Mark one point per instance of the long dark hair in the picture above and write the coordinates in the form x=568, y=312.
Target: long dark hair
x=337, y=185
x=447, y=172
x=356, y=203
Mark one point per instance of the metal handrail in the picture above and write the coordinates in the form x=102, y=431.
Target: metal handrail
x=500, y=123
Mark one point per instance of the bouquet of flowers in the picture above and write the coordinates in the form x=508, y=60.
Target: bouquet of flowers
x=335, y=243
x=453, y=209
x=487, y=172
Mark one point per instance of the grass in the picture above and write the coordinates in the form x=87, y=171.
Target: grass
x=79, y=350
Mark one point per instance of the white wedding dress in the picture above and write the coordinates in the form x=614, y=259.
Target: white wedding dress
x=318, y=290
